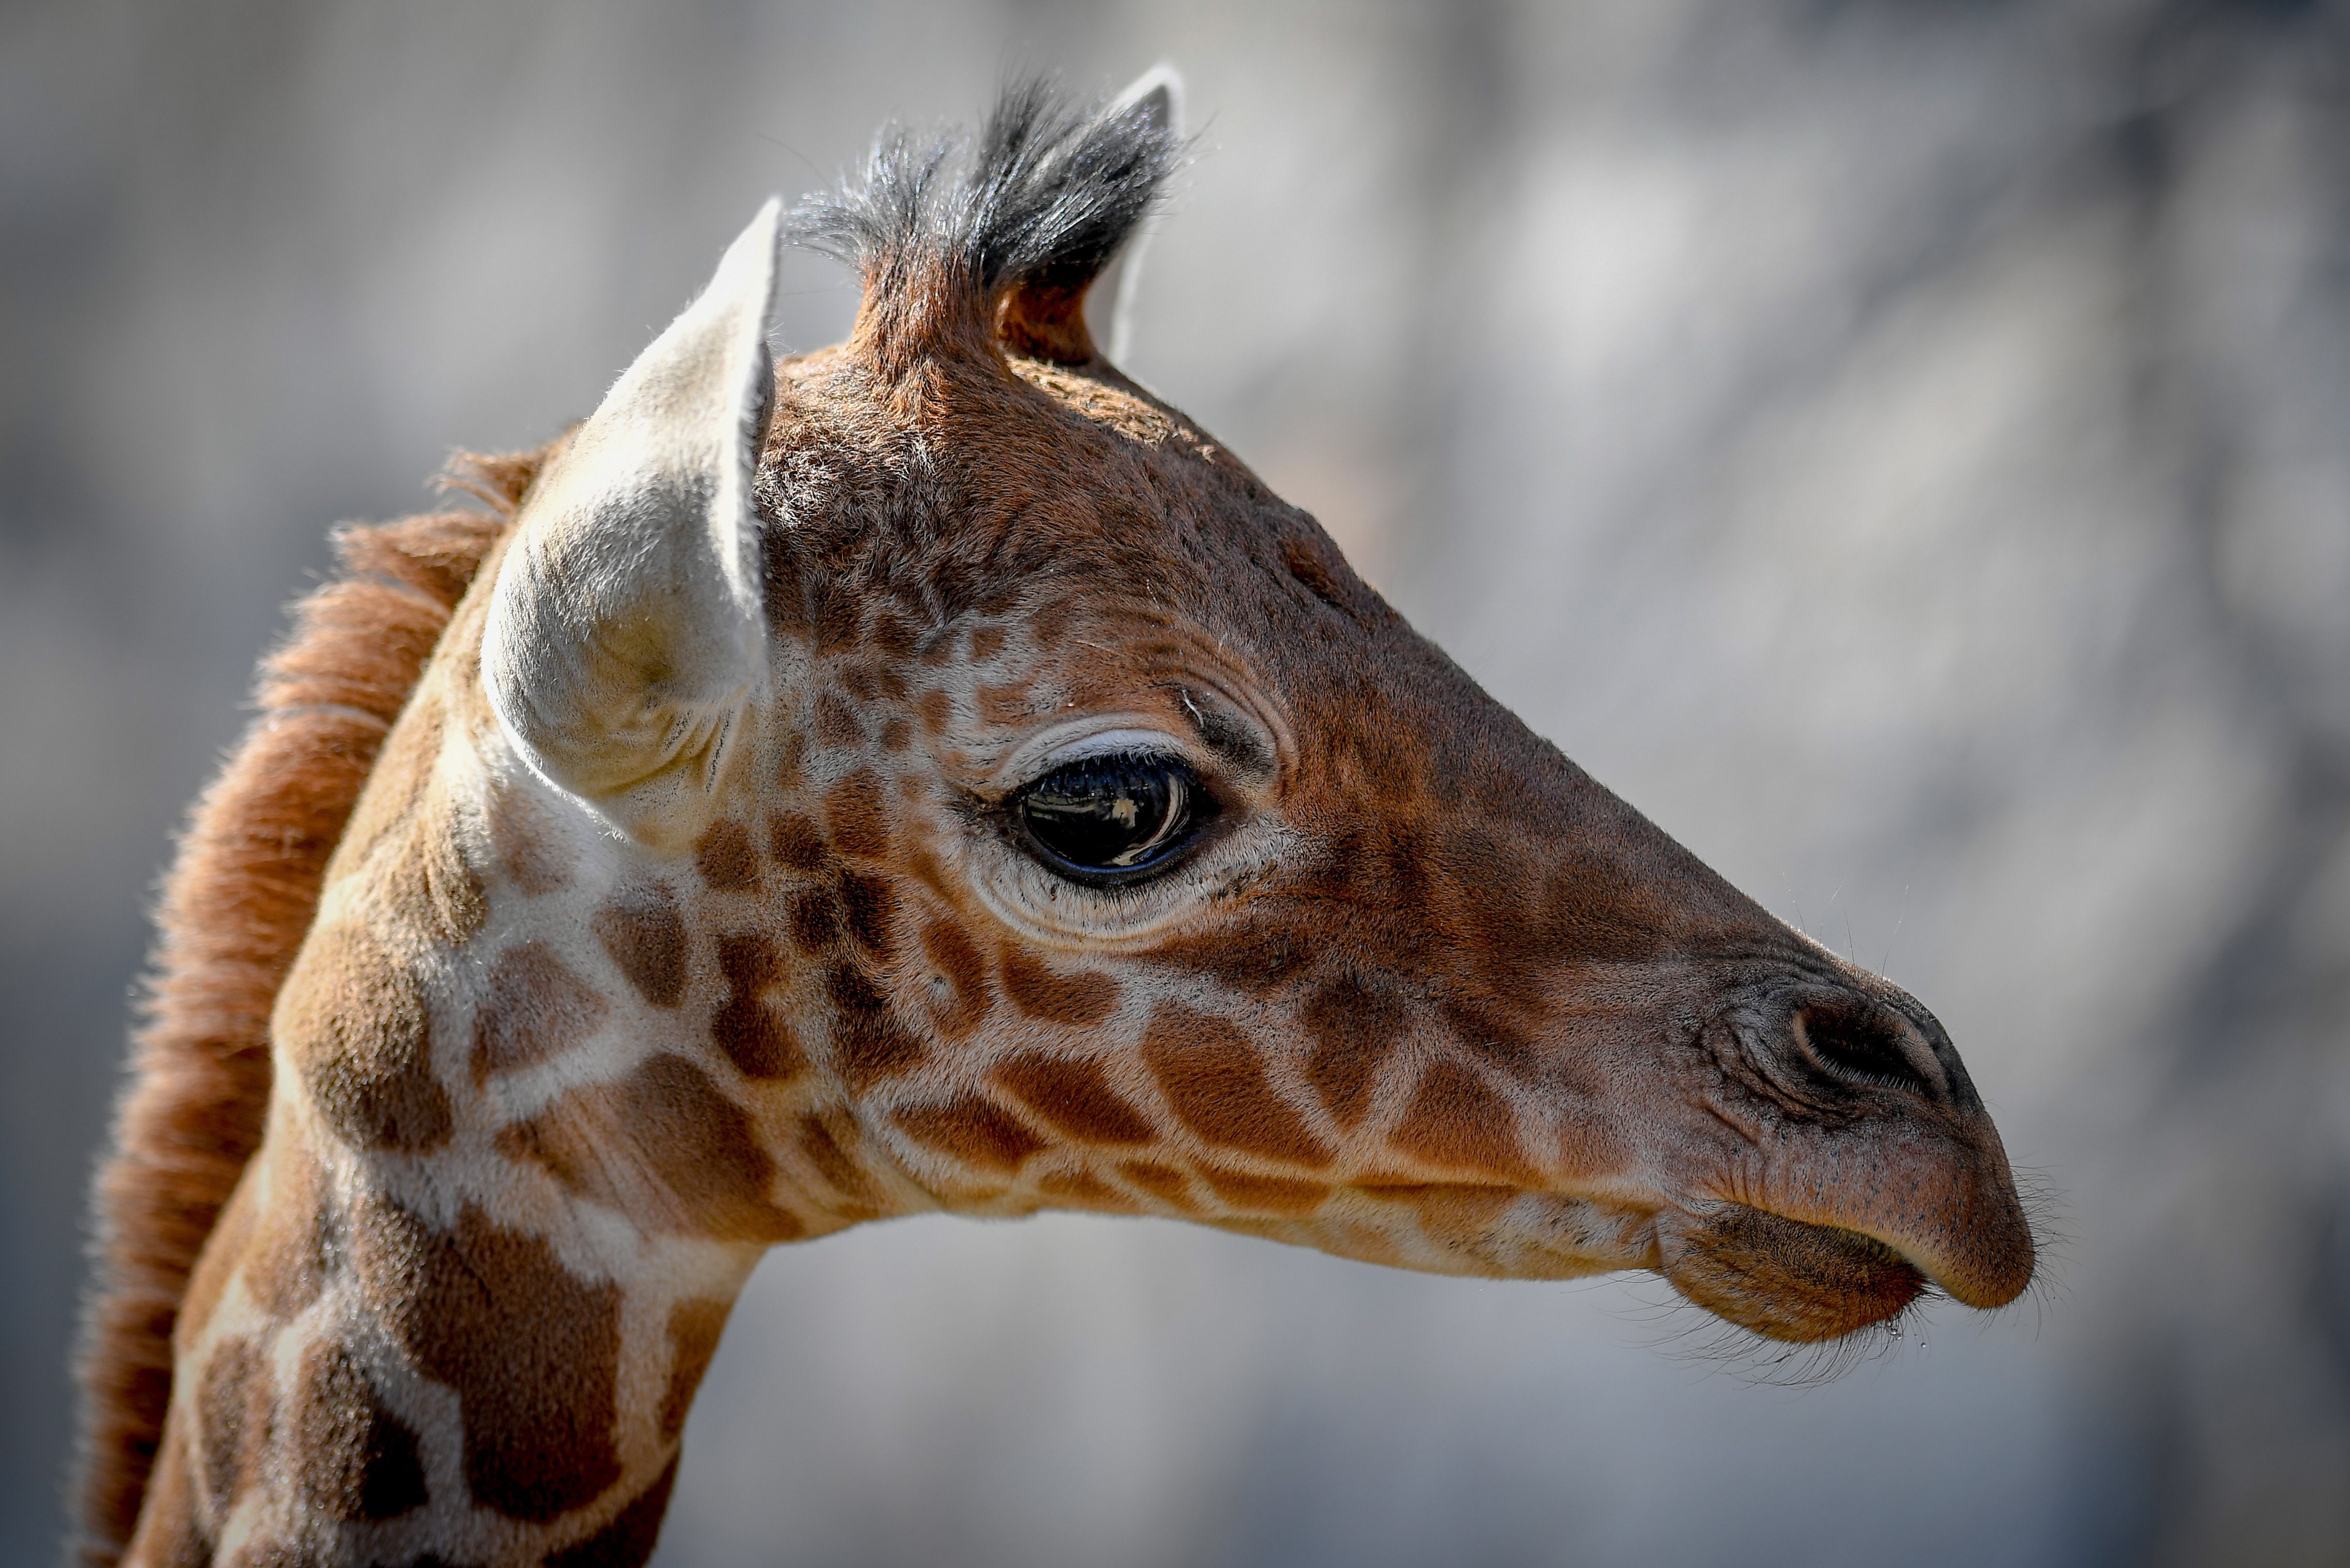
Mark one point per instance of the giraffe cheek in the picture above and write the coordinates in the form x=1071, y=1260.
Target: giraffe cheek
x=1456, y=1122
x=869, y=1041
x=961, y=997
x=1080, y=1000
x=1353, y=1029
x=1210, y=1075
x=1074, y=1097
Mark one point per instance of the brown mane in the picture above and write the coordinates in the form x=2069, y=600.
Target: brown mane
x=238, y=900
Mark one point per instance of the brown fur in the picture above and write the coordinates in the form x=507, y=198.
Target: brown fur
x=235, y=906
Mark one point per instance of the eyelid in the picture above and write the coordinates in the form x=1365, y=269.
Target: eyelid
x=1127, y=743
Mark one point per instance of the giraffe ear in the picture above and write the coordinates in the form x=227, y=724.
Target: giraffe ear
x=1110, y=303
x=625, y=633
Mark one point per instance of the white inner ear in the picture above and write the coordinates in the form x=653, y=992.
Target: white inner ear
x=1109, y=303
x=625, y=634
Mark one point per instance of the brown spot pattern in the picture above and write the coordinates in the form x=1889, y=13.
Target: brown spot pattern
x=355, y=1459
x=1075, y=1095
x=641, y=931
x=892, y=636
x=836, y=723
x=973, y=1130
x=628, y=1541
x=356, y=1022
x=1267, y=1194
x=518, y=834
x=788, y=775
x=869, y=906
x=295, y=1240
x=1083, y=998
x=694, y=1325
x=1165, y=1185
x=426, y=877
x=1353, y=1028
x=1210, y=1075
x=1255, y=960
x=869, y=1043
x=663, y=1147
x=825, y=1150
x=1052, y=617
x=534, y=1009
x=233, y=1409
x=532, y=1350
x=937, y=708
x=957, y=958
x=1003, y=704
x=724, y=858
x=815, y=921
x=756, y=1037
x=1493, y=1037
x=1085, y=1189
x=1456, y=1120
x=857, y=811
x=795, y=842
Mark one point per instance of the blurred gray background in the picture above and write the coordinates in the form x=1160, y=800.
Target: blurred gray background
x=1903, y=448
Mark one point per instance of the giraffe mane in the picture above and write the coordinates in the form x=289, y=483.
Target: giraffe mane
x=238, y=900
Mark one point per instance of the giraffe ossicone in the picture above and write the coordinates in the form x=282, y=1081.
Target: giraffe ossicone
x=932, y=773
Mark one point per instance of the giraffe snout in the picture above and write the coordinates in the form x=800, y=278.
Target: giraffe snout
x=1863, y=1124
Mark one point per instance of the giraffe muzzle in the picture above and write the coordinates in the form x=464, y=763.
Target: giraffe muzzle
x=1866, y=1172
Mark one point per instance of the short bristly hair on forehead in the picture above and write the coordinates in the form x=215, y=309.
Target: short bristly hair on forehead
x=1037, y=202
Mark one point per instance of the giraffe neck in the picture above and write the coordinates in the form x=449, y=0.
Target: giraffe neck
x=457, y=1307
x=370, y=1379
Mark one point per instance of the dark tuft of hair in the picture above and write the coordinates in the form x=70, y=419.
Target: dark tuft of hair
x=1048, y=189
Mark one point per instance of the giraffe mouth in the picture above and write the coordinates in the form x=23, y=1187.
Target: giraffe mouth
x=1784, y=1279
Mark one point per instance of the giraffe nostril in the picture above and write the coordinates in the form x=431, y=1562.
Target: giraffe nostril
x=1855, y=1040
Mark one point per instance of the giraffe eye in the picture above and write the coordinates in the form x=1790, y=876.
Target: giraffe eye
x=1113, y=819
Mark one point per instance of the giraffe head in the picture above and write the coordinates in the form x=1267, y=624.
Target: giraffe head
x=934, y=772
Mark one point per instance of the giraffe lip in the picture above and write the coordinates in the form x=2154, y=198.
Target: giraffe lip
x=1784, y=1279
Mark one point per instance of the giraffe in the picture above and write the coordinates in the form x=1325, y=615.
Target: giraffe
x=927, y=773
